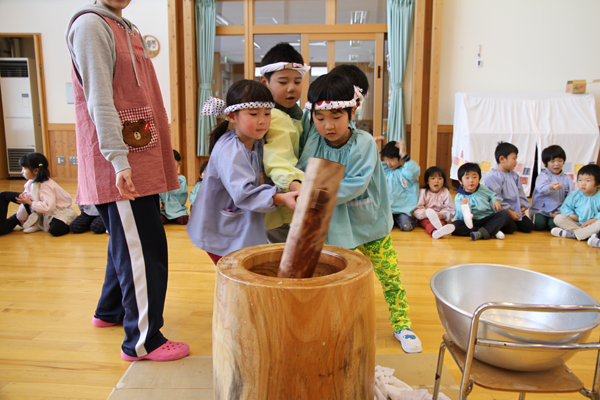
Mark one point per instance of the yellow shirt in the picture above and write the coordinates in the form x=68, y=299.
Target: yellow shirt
x=280, y=159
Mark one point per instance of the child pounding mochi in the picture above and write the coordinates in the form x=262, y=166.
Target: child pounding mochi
x=479, y=213
x=282, y=71
x=435, y=208
x=362, y=217
x=506, y=183
x=579, y=216
x=402, y=176
x=551, y=188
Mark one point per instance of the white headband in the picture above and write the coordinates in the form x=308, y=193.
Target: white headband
x=335, y=105
x=301, y=68
x=216, y=107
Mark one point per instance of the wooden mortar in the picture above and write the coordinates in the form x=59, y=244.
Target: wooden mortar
x=280, y=338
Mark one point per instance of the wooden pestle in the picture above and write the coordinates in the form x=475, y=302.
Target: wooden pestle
x=311, y=218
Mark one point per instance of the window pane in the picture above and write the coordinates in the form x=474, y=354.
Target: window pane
x=230, y=13
x=229, y=57
x=360, y=11
x=289, y=12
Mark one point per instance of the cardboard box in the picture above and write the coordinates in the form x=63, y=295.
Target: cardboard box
x=576, y=87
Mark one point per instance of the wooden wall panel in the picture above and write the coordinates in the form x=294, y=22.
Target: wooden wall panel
x=61, y=140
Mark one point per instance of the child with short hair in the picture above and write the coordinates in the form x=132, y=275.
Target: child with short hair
x=233, y=198
x=579, y=216
x=402, y=176
x=435, y=208
x=479, y=213
x=362, y=217
x=172, y=203
x=282, y=71
x=551, y=188
x=506, y=183
x=194, y=191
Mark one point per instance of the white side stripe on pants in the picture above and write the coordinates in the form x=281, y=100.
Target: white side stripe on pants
x=138, y=267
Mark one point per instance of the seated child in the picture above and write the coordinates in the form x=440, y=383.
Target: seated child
x=89, y=219
x=194, y=191
x=435, y=208
x=551, y=188
x=506, y=183
x=362, y=217
x=172, y=203
x=579, y=216
x=282, y=72
x=402, y=175
x=44, y=204
x=479, y=213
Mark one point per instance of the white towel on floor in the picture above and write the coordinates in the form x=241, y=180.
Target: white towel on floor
x=388, y=387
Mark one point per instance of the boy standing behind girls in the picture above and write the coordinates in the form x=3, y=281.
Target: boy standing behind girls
x=506, y=183
x=282, y=71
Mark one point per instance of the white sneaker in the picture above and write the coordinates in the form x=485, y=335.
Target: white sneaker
x=467, y=215
x=433, y=218
x=31, y=220
x=562, y=233
x=33, y=228
x=500, y=235
x=409, y=341
x=443, y=231
x=594, y=241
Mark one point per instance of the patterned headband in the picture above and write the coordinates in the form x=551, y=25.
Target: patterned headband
x=216, y=107
x=336, y=105
x=301, y=68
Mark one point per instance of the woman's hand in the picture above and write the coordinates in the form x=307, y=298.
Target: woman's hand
x=125, y=185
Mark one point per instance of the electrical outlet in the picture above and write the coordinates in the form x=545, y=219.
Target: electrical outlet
x=72, y=160
x=60, y=160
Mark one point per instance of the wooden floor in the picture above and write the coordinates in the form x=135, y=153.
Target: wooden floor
x=49, y=288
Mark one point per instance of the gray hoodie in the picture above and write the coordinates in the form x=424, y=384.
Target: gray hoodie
x=92, y=46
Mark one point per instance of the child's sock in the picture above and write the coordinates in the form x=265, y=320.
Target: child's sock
x=562, y=233
x=482, y=233
x=31, y=220
x=500, y=235
x=594, y=241
x=443, y=231
x=467, y=215
x=433, y=218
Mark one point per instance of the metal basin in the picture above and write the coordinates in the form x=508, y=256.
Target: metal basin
x=459, y=290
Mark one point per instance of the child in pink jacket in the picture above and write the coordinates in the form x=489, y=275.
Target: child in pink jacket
x=435, y=208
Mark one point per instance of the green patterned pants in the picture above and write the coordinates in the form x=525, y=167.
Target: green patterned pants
x=385, y=263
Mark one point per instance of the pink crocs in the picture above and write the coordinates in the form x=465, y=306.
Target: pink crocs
x=167, y=352
x=101, y=324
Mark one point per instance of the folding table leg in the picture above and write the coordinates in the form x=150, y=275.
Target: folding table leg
x=438, y=371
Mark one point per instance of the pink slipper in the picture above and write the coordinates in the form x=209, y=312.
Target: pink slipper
x=101, y=324
x=167, y=352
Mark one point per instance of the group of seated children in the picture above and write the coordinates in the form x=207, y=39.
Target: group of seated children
x=496, y=207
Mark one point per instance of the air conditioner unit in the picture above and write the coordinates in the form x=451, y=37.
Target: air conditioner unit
x=20, y=106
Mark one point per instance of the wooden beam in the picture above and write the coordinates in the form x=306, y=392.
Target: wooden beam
x=39, y=68
x=304, y=48
x=230, y=30
x=378, y=86
x=330, y=55
x=249, y=39
x=176, y=65
x=434, y=83
x=343, y=36
x=331, y=16
x=339, y=28
x=189, y=136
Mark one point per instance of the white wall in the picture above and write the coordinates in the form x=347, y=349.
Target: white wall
x=532, y=46
x=50, y=18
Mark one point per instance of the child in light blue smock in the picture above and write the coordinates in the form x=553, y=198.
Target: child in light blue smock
x=172, y=203
x=196, y=187
x=402, y=175
x=362, y=217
